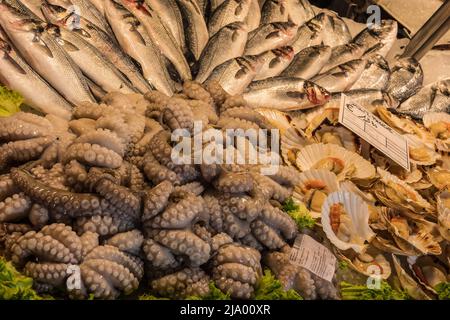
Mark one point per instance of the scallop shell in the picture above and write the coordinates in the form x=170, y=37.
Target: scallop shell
x=369, y=264
x=415, y=143
x=292, y=142
x=444, y=214
x=349, y=186
x=427, y=272
x=407, y=282
x=358, y=213
x=313, y=118
x=439, y=177
x=276, y=118
x=354, y=165
x=435, y=117
x=347, y=138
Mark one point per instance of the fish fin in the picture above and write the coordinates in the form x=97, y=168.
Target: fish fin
x=69, y=46
x=241, y=73
x=137, y=35
x=15, y=64
x=274, y=34
x=44, y=48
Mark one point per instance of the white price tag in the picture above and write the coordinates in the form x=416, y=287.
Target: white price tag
x=311, y=255
x=375, y=131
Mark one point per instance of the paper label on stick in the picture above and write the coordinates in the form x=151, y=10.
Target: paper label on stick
x=375, y=131
x=313, y=256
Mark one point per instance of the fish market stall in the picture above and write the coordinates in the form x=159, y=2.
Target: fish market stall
x=204, y=149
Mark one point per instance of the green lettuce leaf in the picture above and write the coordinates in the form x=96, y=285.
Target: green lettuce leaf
x=443, y=290
x=10, y=102
x=360, y=292
x=299, y=213
x=270, y=288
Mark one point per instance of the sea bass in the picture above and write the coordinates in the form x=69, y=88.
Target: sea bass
x=342, y=54
x=310, y=33
x=406, y=79
x=308, y=62
x=285, y=93
x=275, y=61
x=384, y=33
x=270, y=36
x=300, y=11
x=375, y=76
x=336, y=31
x=253, y=19
x=228, y=12
x=274, y=11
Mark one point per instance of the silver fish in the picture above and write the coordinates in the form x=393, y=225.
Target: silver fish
x=406, y=79
x=385, y=33
x=44, y=55
x=375, y=76
x=434, y=97
x=336, y=32
x=275, y=61
x=236, y=74
x=170, y=15
x=228, y=12
x=308, y=62
x=226, y=44
x=159, y=35
x=370, y=99
x=274, y=11
x=300, y=11
x=34, y=6
x=99, y=39
x=253, y=19
x=196, y=30
x=342, y=77
x=342, y=54
x=96, y=90
x=285, y=93
x=99, y=4
x=310, y=33
x=214, y=4
x=134, y=39
x=91, y=62
x=270, y=36
x=17, y=75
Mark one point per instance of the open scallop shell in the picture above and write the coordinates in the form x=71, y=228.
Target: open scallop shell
x=345, y=163
x=349, y=186
x=292, y=142
x=419, y=152
x=358, y=214
x=368, y=263
x=428, y=273
x=443, y=209
x=276, y=118
x=436, y=122
x=310, y=120
x=439, y=177
x=339, y=135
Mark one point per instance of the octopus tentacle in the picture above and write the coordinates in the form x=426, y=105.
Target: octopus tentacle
x=178, y=115
x=217, y=93
x=103, y=225
x=93, y=154
x=279, y=220
x=104, y=138
x=233, y=252
x=89, y=240
x=54, y=274
x=266, y=235
x=76, y=175
x=269, y=189
x=82, y=126
x=115, y=123
x=156, y=199
x=91, y=110
x=235, y=271
x=216, y=219
x=152, y=127
x=235, y=289
x=234, y=226
x=225, y=122
x=250, y=241
x=234, y=182
x=205, y=109
x=66, y=236
x=241, y=205
x=14, y=208
x=219, y=240
x=130, y=241
x=156, y=172
x=39, y=215
x=7, y=187
x=195, y=90
x=97, y=284
x=245, y=113
x=14, y=130
x=159, y=256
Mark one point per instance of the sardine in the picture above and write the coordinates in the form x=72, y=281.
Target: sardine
x=384, y=33
x=226, y=44
x=170, y=15
x=310, y=33
x=342, y=54
x=375, y=76
x=434, y=97
x=91, y=62
x=99, y=39
x=308, y=62
x=336, y=32
x=134, y=39
x=44, y=55
x=253, y=19
x=270, y=36
x=274, y=11
x=236, y=74
x=342, y=77
x=197, y=35
x=228, y=12
x=159, y=35
x=275, y=61
x=17, y=75
x=406, y=79
x=300, y=11
x=285, y=93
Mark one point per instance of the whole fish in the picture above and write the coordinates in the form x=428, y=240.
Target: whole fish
x=254, y=17
x=270, y=36
x=336, y=32
x=300, y=11
x=44, y=55
x=375, y=76
x=275, y=61
x=370, y=99
x=406, y=79
x=384, y=33
x=308, y=62
x=310, y=33
x=91, y=62
x=342, y=54
x=170, y=15
x=434, y=97
x=17, y=75
x=99, y=39
x=342, y=77
x=274, y=11
x=134, y=39
x=228, y=12
x=236, y=74
x=285, y=93
x=226, y=44
x=159, y=35
x=197, y=35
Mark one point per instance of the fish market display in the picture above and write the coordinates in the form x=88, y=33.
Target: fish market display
x=100, y=172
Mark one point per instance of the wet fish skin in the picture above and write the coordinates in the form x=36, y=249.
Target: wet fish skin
x=275, y=61
x=99, y=39
x=367, y=98
x=310, y=33
x=300, y=11
x=285, y=93
x=136, y=42
x=336, y=32
x=196, y=30
x=375, y=76
x=342, y=54
x=253, y=20
x=34, y=6
x=384, y=33
x=434, y=97
x=44, y=55
x=226, y=44
x=270, y=36
x=308, y=62
x=160, y=36
x=91, y=62
x=406, y=79
x=236, y=74
x=274, y=11
x=17, y=75
x=99, y=4
x=214, y=4
x=228, y=12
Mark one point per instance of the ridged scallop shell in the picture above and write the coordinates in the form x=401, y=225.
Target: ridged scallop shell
x=427, y=272
x=358, y=213
x=443, y=209
x=369, y=264
x=435, y=117
x=355, y=166
x=414, y=144
x=346, y=137
x=276, y=118
x=310, y=120
x=291, y=143
x=439, y=177
x=407, y=282
x=349, y=186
